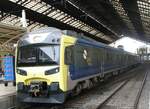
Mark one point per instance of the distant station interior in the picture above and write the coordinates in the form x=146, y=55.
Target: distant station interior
x=74, y=54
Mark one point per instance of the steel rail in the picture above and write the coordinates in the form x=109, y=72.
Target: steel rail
x=109, y=97
x=140, y=92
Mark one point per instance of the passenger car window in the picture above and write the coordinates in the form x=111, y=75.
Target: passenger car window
x=69, y=55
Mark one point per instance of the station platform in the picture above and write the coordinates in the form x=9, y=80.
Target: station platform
x=7, y=95
x=9, y=90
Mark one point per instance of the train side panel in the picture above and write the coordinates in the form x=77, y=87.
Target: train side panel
x=91, y=61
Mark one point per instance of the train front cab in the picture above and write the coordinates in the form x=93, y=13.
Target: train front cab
x=43, y=83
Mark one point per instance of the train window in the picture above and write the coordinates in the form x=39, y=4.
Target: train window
x=100, y=56
x=82, y=56
x=38, y=55
x=47, y=54
x=68, y=55
x=113, y=57
x=94, y=55
x=118, y=58
x=109, y=57
x=104, y=56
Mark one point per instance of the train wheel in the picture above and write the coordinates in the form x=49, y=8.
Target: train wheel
x=90, y=84
x=115, y=73
x=77, y=90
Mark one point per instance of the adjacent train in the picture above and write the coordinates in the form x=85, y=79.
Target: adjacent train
x=53, y=64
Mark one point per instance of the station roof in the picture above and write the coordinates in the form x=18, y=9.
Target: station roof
x=103, y=20
x=9, y=35
x=124, y=17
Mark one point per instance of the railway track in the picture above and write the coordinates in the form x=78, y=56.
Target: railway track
x=81, y=105
x=97, y=97
x=140, y=91
x=105, y=103
x=77, y=104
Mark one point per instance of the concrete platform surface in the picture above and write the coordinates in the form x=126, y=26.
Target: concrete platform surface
x=7, y=96
x=7, y=91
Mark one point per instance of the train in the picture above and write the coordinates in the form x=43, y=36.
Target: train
x=53, y=64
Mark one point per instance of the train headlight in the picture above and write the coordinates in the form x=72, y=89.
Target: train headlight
x=22, y=72
x=52, y=71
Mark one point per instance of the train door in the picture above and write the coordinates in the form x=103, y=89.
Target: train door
x=103, y=60
x=100, y=59
x=85, y=61
x=79, y=69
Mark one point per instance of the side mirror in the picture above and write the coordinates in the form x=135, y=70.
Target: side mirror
x=68, y=55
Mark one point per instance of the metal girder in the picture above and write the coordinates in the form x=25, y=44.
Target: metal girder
x=18, y=35
x=57, y=12
x=74, y=11
x=109, y=12
x=132, y=10
x=8, y=6
x=4, y=16
x=8, y=35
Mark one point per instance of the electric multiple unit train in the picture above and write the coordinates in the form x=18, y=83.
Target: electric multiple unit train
x=52, y=64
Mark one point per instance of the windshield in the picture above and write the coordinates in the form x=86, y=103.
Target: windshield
x=38, y=55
